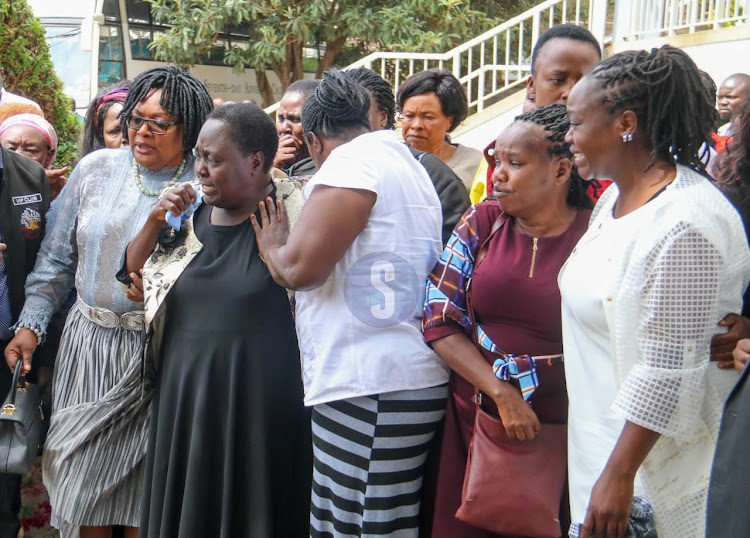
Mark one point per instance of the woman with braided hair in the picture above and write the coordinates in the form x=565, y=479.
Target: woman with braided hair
x=670, y=258
x=540, y=212
x=366, y=238
x=94, y=455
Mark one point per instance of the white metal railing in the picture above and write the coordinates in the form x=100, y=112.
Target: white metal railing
x=489, y=64
x=500, y=59
x=642, y=19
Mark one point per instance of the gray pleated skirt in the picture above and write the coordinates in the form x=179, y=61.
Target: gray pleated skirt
x=94, y=454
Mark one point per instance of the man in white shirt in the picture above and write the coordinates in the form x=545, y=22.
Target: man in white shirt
x=732, y=93
x=8, y=97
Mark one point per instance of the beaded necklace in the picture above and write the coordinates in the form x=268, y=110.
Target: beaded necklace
x=139, y=183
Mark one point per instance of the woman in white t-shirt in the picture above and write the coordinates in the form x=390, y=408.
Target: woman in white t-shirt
x=367, y=236
x=665, y=256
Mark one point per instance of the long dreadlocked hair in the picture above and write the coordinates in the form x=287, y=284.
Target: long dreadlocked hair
x=183, y=96
x=381, y=91
x=337, y=105
x=733, y=165
x=664, y=89
x=554, y=120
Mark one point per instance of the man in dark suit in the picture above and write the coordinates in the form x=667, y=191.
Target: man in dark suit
x=24, y=201
x=729, y=492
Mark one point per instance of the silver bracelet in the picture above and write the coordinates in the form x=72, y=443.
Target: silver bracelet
x=36, y=332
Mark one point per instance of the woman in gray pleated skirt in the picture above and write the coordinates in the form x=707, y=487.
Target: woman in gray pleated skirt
x=93, y=462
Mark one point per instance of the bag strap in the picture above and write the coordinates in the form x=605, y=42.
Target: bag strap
x=499, y=222
x=501, y=219
x=10, y=407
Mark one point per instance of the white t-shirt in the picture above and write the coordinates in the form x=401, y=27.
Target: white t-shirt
x=360, y=332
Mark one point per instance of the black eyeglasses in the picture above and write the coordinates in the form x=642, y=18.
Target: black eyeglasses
x=157, y=127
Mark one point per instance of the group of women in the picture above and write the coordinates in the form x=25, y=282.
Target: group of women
x=206, y=434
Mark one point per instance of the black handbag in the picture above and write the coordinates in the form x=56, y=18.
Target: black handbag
x=21, y=425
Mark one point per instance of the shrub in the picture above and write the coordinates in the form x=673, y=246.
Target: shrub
x=26, y=61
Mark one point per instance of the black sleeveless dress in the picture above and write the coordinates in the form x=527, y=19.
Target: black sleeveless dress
x=229, y=451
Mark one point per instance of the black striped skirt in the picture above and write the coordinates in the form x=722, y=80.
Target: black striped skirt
x=368, y=461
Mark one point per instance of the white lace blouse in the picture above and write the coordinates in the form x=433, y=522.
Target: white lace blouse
x=665, y=275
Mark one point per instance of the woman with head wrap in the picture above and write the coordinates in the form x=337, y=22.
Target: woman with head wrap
x=365, y=240
x=102, y=127
x=33, y=136
x=93, y=464
x=30, y=135
x=12, y=109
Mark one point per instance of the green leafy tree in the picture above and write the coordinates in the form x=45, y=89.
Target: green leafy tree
x=341, y=29
x=28, y=68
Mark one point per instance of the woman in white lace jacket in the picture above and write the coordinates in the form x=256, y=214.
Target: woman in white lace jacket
x=665, y=256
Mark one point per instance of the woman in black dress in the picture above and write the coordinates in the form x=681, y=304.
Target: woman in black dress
x=229, y=443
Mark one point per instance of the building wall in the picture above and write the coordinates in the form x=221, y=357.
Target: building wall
x=221, y=81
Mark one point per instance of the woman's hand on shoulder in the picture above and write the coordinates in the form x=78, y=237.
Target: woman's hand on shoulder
x=21, y=347
x=175, y=199
x=518, y=418
x=272, y=231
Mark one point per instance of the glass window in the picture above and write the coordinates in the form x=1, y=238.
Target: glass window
x=72, y=64
x=215, y=55
x=111, y=56
x=139, y=40
x=139, y=12
x=243, y=44
x=111, y=10
x=110, y=43
x=242, y=29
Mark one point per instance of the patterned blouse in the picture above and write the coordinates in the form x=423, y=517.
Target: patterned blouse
x=90, y=224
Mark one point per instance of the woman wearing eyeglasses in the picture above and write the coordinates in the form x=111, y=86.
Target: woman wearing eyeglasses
x=94, y=455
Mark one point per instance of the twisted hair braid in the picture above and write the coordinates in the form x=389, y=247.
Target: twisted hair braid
x=184, y=97
x=337, y=105
x=381, y=91
x=665, y=91
x=554, y=120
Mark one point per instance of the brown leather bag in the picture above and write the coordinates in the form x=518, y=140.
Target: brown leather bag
x=512, y=487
